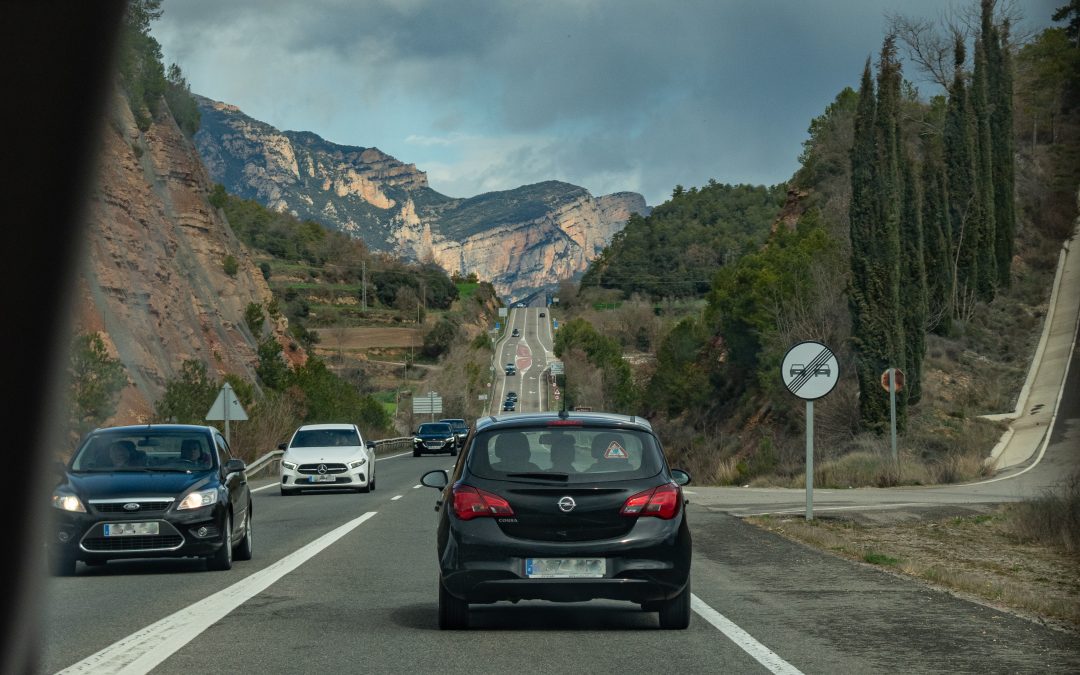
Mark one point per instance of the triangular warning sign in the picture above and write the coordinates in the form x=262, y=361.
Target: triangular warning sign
x=615, y=451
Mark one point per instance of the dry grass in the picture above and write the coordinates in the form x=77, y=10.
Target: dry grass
x=1052, y=520
x=979, y=556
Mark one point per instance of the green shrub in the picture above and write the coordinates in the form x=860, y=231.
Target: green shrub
x=96, y=382
x=254, y=317
x=230, y=265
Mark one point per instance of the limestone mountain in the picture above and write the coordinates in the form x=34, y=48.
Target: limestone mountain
x=154, y=282
x=522, y=240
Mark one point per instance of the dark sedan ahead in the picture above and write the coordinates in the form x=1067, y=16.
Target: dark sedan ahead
x=151, y=491
x=563, y=507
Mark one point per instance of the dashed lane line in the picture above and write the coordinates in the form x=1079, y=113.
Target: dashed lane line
x=395, y=498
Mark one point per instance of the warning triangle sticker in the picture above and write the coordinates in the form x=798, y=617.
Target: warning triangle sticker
x=615, y=451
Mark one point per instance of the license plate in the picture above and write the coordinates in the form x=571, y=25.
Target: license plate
x=323, y=479
x=130, y=529
x=564, y=568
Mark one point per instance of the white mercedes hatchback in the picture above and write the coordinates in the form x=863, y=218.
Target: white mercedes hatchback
x=327, y=456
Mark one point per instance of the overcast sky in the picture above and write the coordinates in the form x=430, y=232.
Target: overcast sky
x=491, y=94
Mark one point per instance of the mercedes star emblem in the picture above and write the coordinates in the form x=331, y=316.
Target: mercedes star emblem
x=567, y=504
x=322, y=468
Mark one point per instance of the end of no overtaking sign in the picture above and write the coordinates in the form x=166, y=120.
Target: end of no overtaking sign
x=810, y=370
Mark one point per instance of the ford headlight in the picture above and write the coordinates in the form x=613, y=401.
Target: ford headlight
x=66, y=502
x=198, y=499
x=357, y=463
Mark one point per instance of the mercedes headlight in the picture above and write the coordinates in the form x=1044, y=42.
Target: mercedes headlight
x=66, y=502
x=199, y=499
x=289, y=465
x=357, y=463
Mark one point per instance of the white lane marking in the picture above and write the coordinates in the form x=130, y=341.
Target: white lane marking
x=265, y=487
x=742, y=639
x=379, y=459
x=395, y=498
x=143, y=650
x=417, y=486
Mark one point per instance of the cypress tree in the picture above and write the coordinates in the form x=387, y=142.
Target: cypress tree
x=986, y=278
x=962, y=208
x=863, y=217
x=1001, y=131
x=913, y=306
x=937, y=261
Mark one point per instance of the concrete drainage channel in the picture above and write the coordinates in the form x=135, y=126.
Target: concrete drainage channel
x=268, y=463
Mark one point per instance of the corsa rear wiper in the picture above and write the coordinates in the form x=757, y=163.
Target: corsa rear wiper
x=546, y=475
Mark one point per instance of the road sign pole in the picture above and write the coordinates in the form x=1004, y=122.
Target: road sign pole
x=892, y=411
x=809, y=460
x=228, y=399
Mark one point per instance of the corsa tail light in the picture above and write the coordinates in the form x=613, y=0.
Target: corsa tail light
x=663, y=502
x=470, y=502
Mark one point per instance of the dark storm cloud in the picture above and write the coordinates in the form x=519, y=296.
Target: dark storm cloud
x=669, y=92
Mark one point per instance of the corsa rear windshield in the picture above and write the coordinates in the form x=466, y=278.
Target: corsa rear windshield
x=566, y=454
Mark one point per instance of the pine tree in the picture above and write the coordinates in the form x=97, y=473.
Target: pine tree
x=962, y=208
x=986, y=278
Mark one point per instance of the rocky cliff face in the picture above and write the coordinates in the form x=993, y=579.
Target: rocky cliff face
x=521, y=240
x=152, y=282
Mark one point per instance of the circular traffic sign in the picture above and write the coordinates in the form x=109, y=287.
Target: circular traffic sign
x=898, y=379
x=810, y=370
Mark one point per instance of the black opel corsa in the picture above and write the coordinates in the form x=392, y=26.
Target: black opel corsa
x=565, y=507
x=149, y=491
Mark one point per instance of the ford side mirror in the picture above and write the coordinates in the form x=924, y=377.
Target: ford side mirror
x=435, y=479
x=235, y=466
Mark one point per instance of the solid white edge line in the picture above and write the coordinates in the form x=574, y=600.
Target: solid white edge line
x=417, y=486
x=743, y=640
x=395, y=498
x=145, y=649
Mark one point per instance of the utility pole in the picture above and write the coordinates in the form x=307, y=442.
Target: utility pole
x=363, y=284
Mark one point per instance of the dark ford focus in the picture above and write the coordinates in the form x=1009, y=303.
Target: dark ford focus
x=565, y=507
x=151, y=491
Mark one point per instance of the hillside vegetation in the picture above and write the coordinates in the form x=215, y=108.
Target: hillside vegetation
x=900, y=245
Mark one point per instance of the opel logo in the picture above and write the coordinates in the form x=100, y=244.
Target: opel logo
x=131, y=506
x=567, y=504
x=322, y=468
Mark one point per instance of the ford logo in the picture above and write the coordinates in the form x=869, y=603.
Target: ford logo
x=131, y=506
x=567, y=504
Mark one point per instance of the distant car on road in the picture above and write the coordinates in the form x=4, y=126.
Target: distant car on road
x=509, y=406
x=151, y=491
x=511, y=396
x=566, y=507
x=515, y=333
x=511, y=369
x=461, y=430
x=434, y=437
x=542, y=315
x=321, y=456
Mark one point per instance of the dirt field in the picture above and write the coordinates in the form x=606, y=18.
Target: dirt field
x=366, y=337
x=971, y=552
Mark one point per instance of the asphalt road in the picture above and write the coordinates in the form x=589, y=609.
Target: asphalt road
x=530, y=353
x=344, y=582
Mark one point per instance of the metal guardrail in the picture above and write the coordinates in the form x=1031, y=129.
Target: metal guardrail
x=270, y=460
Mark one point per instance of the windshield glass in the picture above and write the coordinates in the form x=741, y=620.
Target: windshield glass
x=582, y=455
x=435, y=429
x=147, y=450
x=325, y=438
x=457, y=425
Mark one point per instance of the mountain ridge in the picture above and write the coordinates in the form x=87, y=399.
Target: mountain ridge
x=522, y=240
